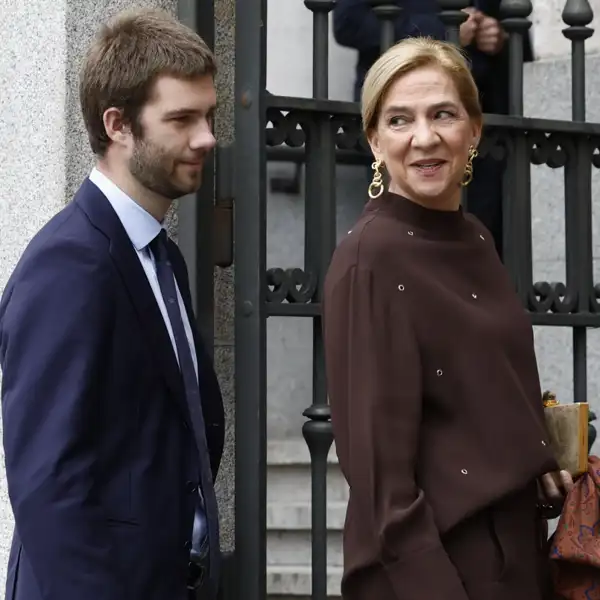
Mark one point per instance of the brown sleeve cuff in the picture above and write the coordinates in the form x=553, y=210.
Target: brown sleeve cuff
x=428, y=575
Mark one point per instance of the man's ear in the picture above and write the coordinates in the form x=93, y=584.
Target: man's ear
x=117, y=130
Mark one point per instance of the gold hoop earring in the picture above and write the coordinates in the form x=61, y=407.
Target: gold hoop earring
x=468, y=176
x=376, y=185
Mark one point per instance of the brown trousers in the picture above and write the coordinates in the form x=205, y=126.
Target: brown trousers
x=501, y=552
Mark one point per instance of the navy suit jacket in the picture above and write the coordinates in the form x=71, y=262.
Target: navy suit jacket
x=101, y=462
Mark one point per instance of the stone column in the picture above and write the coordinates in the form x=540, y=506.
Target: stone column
x=224, y=304
x=33, y=130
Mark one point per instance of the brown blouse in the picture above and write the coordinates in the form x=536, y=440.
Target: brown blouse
x=434, y=391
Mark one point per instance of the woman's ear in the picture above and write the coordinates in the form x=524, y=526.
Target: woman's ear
x=373, y=140
x=477, y=130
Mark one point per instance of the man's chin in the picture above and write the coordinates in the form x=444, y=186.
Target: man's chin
x=189, y=193
x=189, y=187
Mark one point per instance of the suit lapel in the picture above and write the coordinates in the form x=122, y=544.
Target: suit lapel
x=93, y=202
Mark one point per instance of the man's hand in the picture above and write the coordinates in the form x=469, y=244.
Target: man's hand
x=490, y=36
x=468, y=29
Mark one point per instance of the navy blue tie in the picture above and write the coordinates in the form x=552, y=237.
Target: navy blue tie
x=166, y=280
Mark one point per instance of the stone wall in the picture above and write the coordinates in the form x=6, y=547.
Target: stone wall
x=224, y=356
x=32, y=153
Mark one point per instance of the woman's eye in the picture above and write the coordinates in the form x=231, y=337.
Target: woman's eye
x=444, y=114
x=397, y=120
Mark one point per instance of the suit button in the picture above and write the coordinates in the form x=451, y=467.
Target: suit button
x=188, y=545
x=191, y=487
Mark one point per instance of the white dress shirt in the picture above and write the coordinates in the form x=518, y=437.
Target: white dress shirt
x=142, y=228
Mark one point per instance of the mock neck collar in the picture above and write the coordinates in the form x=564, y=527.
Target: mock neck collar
x=448, y=224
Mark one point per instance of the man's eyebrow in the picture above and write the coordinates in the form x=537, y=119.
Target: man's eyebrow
x=181, y=112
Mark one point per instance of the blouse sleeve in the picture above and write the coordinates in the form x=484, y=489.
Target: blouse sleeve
x=375, y=391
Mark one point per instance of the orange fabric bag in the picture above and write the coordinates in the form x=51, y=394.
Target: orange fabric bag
x=575, y=546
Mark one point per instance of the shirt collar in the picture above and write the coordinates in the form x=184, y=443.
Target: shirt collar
x=140, y=225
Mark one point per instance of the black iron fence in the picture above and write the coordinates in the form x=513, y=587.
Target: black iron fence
x=320, y=133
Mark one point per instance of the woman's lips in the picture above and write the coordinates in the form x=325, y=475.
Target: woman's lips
x=428, y=167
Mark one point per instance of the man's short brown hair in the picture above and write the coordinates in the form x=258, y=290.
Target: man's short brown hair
x=127, y=56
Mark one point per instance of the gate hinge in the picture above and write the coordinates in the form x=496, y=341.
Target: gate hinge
x=223, y=209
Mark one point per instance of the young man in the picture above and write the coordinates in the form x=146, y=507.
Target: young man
x=113, y=418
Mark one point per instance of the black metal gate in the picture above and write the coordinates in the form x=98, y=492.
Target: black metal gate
x=319, y=133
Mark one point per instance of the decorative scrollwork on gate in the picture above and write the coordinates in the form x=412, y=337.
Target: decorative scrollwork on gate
x=291, y=128
x=595, y=299
x=290, y=285
x=286, y=128
x=551, y=149
x=495, y=143
x=595, y=150
x=349, y=133
x=552, y=297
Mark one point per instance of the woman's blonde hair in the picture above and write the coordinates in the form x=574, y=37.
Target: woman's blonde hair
x=411, y=54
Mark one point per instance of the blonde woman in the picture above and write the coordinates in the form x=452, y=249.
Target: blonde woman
x=433, y=383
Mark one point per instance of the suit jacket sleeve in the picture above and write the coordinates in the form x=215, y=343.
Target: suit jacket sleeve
x=374, y=376
x=53, y=343
x=355, y=24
